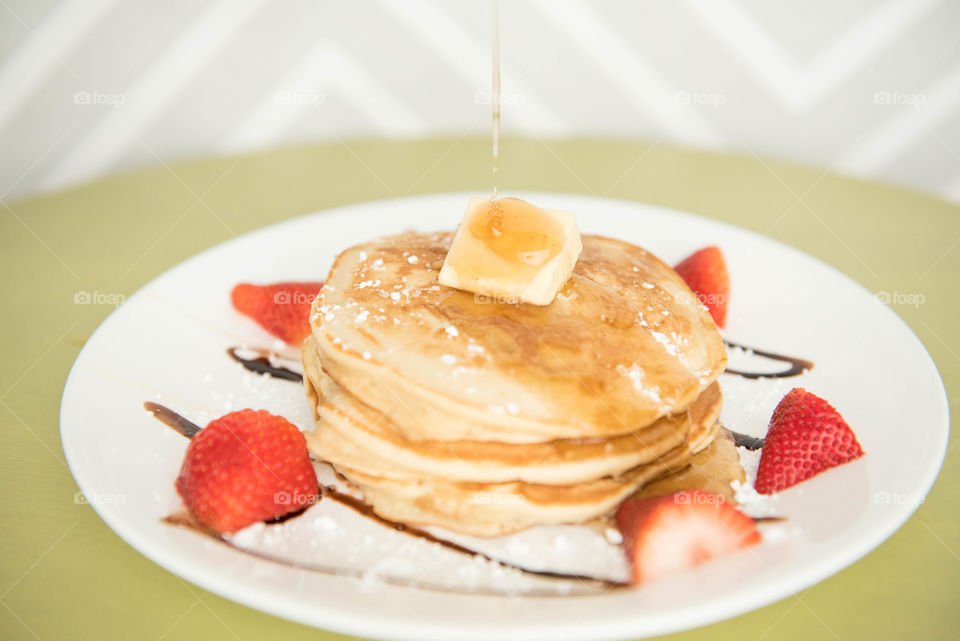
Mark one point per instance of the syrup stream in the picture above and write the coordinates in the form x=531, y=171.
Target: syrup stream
x=495, y=95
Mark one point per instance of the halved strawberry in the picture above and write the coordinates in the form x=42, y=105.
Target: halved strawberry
x=705, y=272
x=283, y=309
x=669, y=533
x=806, y=436
x=245, y=467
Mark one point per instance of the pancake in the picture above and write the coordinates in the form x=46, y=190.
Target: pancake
x=495, y=509
x=356, y=436
x=487, y=417
x=487, y=509
x=487, y=488
x=624, y=343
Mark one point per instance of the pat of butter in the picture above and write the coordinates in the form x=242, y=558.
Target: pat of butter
x=511, y=251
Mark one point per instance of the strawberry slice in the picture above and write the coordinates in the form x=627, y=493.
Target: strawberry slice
x=806, y=436
x=283, y=309
x=669, y=533
x=705, y=272
x=245, y=467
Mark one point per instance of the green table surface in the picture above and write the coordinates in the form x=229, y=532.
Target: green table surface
x=65, y=575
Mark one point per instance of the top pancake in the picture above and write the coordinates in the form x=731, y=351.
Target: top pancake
x=624, y=343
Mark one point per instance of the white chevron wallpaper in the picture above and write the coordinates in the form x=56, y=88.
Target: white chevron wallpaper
x=868, y=88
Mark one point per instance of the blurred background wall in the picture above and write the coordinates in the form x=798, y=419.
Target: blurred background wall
x=864, y=87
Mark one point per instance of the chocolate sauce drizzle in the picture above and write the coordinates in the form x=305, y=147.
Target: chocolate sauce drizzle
x=172, y=420
x=358, y=506
x=262, y=365
x=760, y=520
x=797, y=365
x=363, y=509
x=189, y=429
x=746, y=441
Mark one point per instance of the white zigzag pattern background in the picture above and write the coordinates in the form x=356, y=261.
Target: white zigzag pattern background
x=88, y=87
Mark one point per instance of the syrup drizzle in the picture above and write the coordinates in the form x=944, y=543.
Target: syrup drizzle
x=262, y=365
x=189, y=429
x=797, y=365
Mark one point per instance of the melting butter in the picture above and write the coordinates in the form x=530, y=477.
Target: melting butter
x=512, y=251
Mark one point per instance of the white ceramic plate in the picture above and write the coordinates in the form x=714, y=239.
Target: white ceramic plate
x=167, y=342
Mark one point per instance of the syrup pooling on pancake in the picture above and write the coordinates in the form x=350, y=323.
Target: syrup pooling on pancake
x=712, y=469
x=510, y=250
x=623, y=343
x=518, y=233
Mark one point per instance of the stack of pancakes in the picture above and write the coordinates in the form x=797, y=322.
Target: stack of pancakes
x=486, y=416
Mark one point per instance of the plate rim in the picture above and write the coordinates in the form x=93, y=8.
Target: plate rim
x=722, y=608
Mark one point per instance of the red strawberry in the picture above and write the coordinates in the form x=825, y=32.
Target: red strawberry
x=673, y=532
x=806, y=436
x=283, y=309
x=705, y=272
x=245, y=467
